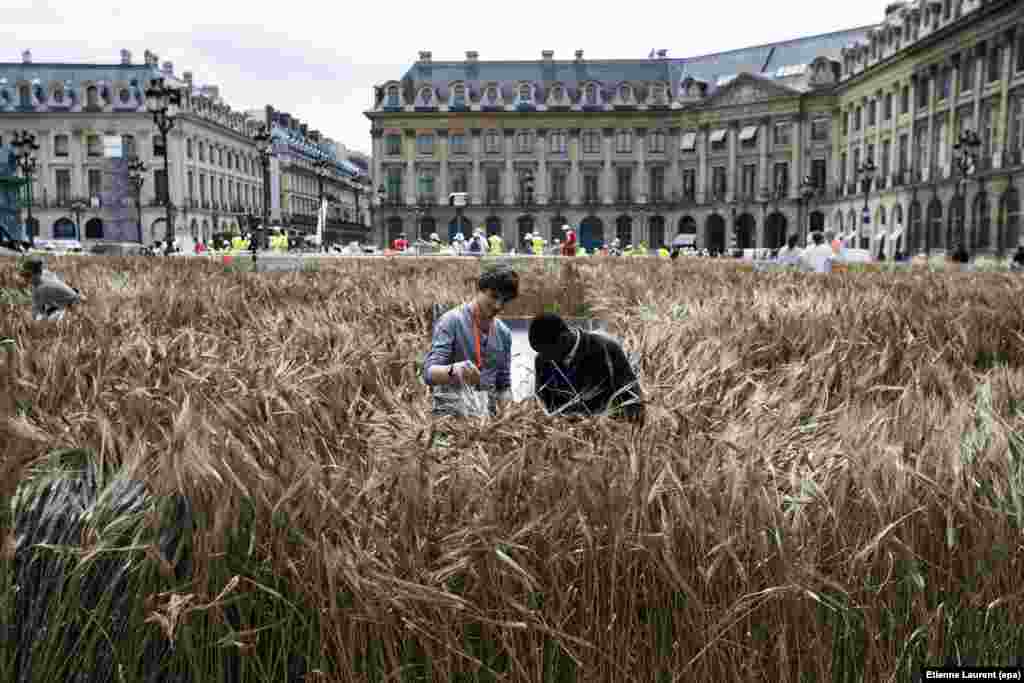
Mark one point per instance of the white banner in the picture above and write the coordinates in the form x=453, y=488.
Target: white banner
x=112, y=147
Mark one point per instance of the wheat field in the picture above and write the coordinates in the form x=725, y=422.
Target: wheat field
x=211, y=475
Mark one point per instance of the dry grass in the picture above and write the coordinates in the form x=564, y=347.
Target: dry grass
x=829, y=485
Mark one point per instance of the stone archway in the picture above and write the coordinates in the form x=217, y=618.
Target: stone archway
x=394, y=229
x=94, y=229
x=624, y=230
x=981, y=222
x=493, y=226
x=64, y=229
x=817, y=221
x=775, y=231
x=746, y=228
x=457, y=225
x=1009, y=220
x=714, y=234
x=525, y=227
x=915, y=235
x=428, y=226
x=688, y=229
x=591, y=235
x=656, y=230
x=933, y=237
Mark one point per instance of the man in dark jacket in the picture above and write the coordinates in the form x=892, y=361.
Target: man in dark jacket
x=582, y=373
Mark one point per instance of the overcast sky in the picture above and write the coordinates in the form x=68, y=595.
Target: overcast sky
x=320, y=60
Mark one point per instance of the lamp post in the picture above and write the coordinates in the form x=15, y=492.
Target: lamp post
x=25, y=145
x=382, y=195
x=322, y=166
x=966, y=151
x=78, y=207
x=807, y=191
x=137, y=176
x=162, y=102
x=262, y=138
x=866, y=172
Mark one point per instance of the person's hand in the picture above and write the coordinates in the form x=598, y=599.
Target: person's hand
x=467, y=373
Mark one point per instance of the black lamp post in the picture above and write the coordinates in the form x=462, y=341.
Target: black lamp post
x=866, y=172
x=322, y=167
x=382, y=196
x=807, y=191
x=137, y=175
x=162, y=102
x=262, y=138
x=25, y=145
x=966, y=150
x=78, y=207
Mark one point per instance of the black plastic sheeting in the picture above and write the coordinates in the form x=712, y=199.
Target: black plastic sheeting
x=56, y=513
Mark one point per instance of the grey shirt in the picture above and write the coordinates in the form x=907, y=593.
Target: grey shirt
x=454, y=341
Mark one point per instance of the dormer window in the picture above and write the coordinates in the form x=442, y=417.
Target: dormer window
x=590, y=94
x=524, y=94
x=58, y=95
x=92, y=97
x=492, y=96
x=425, y=97
x=125, y=96
x=459, y=96
x=624, y=94
x=557, y=95
x=25, y=96
x=393, y=99
x=658, y=94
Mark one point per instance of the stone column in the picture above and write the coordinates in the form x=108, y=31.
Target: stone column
x=77, y=155
x=911, y=132
x=894, y=151
x=674, y=181
x=475, y=181
x=540, y=185
x=764, y=183
x=442, y=140
x=797, y=157
x=409, y=156
x=639, y=155
x=730, y=174
x=575, y=181
x=378, y=155
x=509, y=171
x=702, y=163
x=1002, y=123
x=608, y=191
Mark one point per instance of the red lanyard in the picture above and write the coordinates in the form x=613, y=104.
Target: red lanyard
x=476, y=335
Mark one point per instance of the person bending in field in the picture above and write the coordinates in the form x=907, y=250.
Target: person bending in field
x=51, y=296
x=582, y=373
x=472, y=350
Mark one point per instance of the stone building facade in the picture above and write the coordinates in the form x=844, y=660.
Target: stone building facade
x=215, y=176
x=735, y=149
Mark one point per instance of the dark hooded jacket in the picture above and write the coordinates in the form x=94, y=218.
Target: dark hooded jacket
x=594, y=378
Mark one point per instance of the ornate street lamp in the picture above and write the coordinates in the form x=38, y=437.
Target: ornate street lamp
x=382, y=196
x=807, y=191
x=966, y=151
x=866, y=172
x=78, y=207
x=25, y=146
x=162, y=102
x=264, y=146
x=137, y=176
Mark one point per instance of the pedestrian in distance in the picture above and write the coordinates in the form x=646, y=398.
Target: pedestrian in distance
x=1018, y=258
x=471, y=350
x=818, y=257
x=789, y=255
x=51, y=296
x=582, y=373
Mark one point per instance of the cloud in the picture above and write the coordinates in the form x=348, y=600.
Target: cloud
x=319, y=61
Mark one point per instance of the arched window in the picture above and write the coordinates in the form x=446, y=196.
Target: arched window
x=1009, y=219
x=524, y=93
x=915, y=234
x=24, y=96
x=92, y=97
x=658, y=93
x=933, y=238
x=425, y=97
x=981, y=222
x=58, y=96
x=557, y=94
x=590, y=94
x=393, y=97
x=624, y=94
x=125, y=96
x=492, y=95
x=955, y=225
x=459, y=96
x=624, y=229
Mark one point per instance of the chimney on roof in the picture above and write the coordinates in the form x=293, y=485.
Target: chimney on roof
x=547, y=55
x=579, y=55
x=168, y=68
x=662, y=54
x=425, y=57
x=304, y=128
x=472, y=56
x=26, y=57
x=213, y=91
x=314, y=135
x=188, y=78
x=126, y=57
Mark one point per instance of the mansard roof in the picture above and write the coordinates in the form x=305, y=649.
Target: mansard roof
x=765, y=59
x=77, y=73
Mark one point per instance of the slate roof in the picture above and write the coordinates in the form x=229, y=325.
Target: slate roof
x=74, y=77
x=296, y=142
x=759, y=59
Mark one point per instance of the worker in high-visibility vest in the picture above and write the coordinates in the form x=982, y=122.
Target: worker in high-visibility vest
x=663, y=252
x=538, y=245
x=497, y=245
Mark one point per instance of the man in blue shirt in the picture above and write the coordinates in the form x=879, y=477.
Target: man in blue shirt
x=469, y=364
